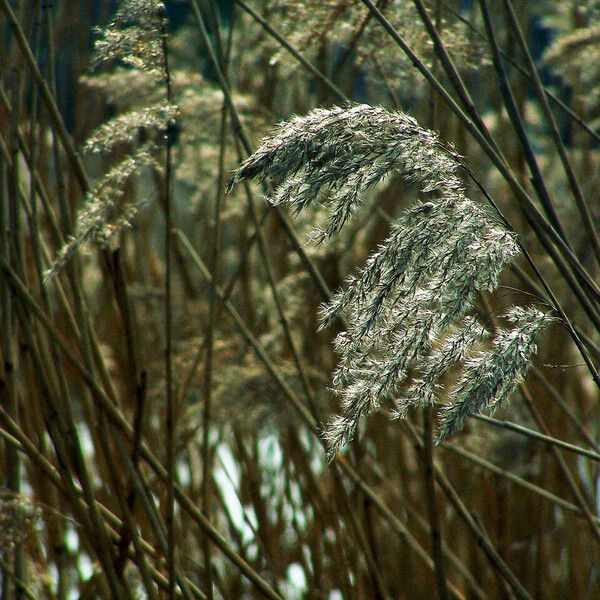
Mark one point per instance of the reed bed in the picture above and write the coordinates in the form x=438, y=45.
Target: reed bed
x=299, y=299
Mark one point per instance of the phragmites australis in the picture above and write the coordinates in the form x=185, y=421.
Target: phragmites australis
x=406, y=311
x=131, y=40
x=132, y=37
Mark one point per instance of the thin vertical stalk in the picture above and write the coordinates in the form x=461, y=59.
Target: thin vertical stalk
x=48, y=92
x=148, y=505
x=432, y=508
x=40, y=187
x=223, y=55
x=8, y=393
x=115, y=483
x=36, y=188
x=209, y=344
x=170, y=404
x=63, y=433
x=47, y=96
x=428, y=447
x=227, y=292
x=9, y=242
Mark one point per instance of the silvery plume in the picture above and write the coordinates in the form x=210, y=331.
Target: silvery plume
x=407, y=309
x=132, y=38
x=107, y=209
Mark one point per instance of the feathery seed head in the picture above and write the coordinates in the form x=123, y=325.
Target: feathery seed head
x=406, y=310
x=489, y=377
x=132, y=38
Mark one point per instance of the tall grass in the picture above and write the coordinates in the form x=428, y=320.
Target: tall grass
x=187, y=369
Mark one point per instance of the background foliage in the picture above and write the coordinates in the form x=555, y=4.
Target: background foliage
x=164, y=383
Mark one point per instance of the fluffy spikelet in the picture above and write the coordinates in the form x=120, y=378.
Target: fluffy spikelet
x=345, y=151
x=126, y=127
x=103, y=213
x=490, y=377
x=407, y=309
x=132, y=37
x=452, y=351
